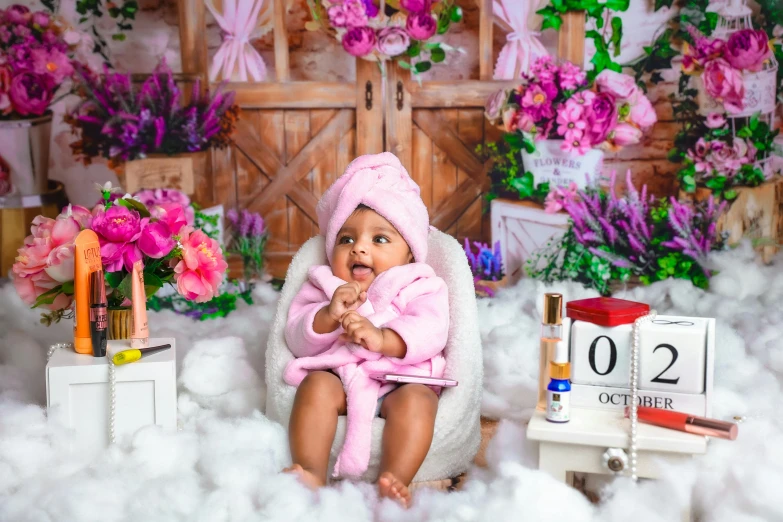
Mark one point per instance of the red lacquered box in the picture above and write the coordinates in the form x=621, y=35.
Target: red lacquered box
x=606, y=311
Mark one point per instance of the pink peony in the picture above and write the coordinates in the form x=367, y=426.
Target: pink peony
x=715, y=120
x=157, y=200
x=748, y=49
x=29, y=94
x=642, y=113
x=118, y=228
x=155, y=240
x=421, y=26
x=60, y=263
x=620, y=85
x=393, y=41
x=200, y=271
x=625, y=134
x=359, y=41
x=173, y=215
x=601, y=117
x=724, y=83
x=30, y=287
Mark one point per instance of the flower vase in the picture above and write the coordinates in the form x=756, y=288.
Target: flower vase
x=550, y=163
x=485, y=288
x=120, y=323
x=184, y=172
x=25, y=152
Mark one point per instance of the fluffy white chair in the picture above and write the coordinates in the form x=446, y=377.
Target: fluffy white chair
x=457, y=426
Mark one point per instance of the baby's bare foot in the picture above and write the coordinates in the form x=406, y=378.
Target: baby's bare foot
x=389, y=486
x=306, y=477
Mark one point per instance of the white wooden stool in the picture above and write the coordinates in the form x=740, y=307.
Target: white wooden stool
x=77, y=393
x=581, y=444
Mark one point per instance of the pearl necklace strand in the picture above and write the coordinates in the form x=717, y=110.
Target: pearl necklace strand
x=112, y=386
x=635, y=388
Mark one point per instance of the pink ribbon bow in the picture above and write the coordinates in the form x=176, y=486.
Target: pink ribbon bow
x=522, y=45
x=238, y=20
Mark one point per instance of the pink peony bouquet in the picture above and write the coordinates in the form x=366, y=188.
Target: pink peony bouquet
x=34, y=60
x=159, y=232
x=721, y=63
x=557, y=102
x=401, y=31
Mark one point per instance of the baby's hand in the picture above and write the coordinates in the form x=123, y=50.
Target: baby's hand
x=361, y=331
x=347, y=297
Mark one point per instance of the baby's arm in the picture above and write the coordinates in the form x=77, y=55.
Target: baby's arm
x=423, y=327
x=304, y=334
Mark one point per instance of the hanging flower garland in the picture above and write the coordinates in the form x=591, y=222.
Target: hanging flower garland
x=399, y=30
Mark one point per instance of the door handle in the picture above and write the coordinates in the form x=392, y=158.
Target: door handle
x=399, y=95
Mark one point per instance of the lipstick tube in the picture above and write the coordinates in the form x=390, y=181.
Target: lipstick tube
x=679, y=421
x=99, y=319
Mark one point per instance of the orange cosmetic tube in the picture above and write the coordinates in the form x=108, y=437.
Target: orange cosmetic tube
x=87, y=259
x=140, y=336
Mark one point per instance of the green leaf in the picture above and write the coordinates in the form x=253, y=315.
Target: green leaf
x=132, y=204
x=414, y=50
x=613, y=66
x=120, y=37
x=423, y=67
x=438, y=55
x=552, y=20
x=443, y=24
x=730, y=194
x=456, y=14
x=404, y=65
x=717, y=183
x=617, y=34
x=125, y=286
x=67, y=288
x=47, y=297
x=114, y=278
x=152, y=284
x=618, y=5
x=523, y=185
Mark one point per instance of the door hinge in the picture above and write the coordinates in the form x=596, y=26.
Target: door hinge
x=399, y=95
x=368, y=95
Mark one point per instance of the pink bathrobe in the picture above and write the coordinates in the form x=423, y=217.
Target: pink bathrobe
x=409, y=299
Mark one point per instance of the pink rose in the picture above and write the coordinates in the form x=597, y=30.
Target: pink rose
x=82, y=215
x=155, y=240
x=29, y=94
x=715, y=120
x=748, y=49
x=642, y=113
x=509, y=119
x=200, y=271
x=625, y=134
x=724, y=83
x=393, y=41
x=620, y=85
x=494, y=105
x=421, y=26
x=601, y=117
x=359, y=41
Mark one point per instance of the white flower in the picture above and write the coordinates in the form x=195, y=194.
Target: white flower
x=129, y=196
x=106, y=187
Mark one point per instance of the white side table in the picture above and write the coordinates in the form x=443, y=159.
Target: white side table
x=77, y=393
x=579, y=445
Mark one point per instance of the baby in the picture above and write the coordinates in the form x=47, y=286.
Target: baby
x=377, y=308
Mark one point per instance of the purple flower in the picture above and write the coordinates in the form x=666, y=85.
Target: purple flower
x=30, y=94
x=155, y=240
x=544, y=69
x=370, y=8
x=415, y=6
x=571, y=76
x=392, y=41
x=421, y=26
x=748, y=49
x=359, y=41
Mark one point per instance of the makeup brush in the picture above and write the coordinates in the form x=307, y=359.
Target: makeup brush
x=134, y=354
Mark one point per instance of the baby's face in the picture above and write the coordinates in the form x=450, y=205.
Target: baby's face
x=366, y=246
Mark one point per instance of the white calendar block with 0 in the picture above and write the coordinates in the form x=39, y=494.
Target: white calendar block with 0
x=600, y=355
x=673, y=354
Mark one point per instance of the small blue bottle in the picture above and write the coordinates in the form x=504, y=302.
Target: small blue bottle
x=558, y=394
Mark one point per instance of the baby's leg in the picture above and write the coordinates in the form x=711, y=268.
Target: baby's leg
x=320, y=399
x=410, y=421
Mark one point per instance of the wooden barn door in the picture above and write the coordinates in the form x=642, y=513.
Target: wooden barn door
x=435, y=127
x=293, y=138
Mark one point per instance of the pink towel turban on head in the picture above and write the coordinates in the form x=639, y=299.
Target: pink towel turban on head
x=382, y=183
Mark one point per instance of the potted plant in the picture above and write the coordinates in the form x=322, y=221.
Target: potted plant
x=487, y=268
x=248, y=239
x=171, y=249
x=36, y=50
x=559, y=123
x=148, y=134
x=616, y=241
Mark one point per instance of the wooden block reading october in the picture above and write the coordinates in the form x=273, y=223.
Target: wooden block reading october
x=151, y=173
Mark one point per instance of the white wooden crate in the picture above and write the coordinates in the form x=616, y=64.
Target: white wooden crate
x=522, y=227
x=77, y=393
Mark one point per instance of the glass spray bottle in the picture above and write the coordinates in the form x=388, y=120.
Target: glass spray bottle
x=552, y=331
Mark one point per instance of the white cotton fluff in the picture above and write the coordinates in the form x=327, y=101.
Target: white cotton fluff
x=224, y=464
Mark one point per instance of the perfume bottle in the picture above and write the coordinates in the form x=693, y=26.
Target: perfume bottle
x=558, y=397
x=552, y=331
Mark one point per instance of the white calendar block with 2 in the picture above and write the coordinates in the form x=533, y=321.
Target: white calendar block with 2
x=600, y=355
x=672, y=354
